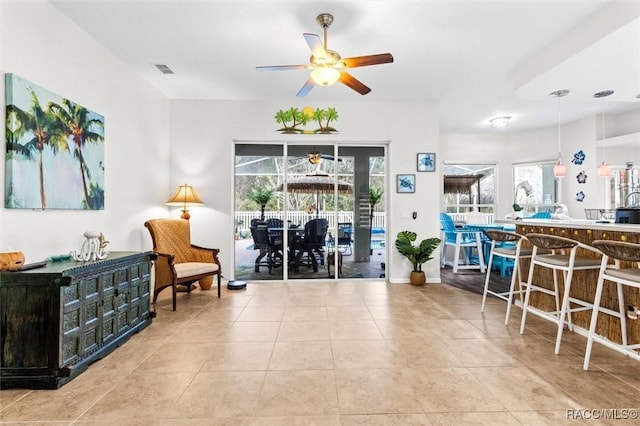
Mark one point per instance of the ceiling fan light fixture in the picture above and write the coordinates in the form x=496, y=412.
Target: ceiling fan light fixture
x=325, y=76
x=315, y=158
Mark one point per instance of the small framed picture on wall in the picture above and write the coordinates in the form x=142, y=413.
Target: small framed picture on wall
x=406, y=183
x=426, y=162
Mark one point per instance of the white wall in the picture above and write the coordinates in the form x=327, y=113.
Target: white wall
x=41, y=45
x=202, y=135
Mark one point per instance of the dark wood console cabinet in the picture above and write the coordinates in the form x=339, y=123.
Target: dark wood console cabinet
x=56, y=320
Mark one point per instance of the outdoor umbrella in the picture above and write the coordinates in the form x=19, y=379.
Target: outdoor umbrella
x=315, y=183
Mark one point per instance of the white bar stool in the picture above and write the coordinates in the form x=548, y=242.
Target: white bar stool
x=562, y=257
x=618, y=251
x=507, y=245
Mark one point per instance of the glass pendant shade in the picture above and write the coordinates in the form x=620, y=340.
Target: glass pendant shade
x=560, y=169
x=604, y=169
x=325, y=76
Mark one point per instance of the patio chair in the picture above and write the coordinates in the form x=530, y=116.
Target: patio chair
x=312, y=244
x=463, y=241
x=344, y=238
x=260, y=236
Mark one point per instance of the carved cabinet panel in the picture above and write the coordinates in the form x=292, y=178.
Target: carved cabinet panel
x=56, y=320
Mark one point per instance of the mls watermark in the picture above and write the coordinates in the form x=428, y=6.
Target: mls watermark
x=602, y=414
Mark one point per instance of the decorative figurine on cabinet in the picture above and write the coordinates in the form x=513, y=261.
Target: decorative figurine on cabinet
x=94, y=247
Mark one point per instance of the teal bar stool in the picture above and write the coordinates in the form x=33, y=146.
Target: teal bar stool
x=628, y=276
x=506, y=246
x=559, y=254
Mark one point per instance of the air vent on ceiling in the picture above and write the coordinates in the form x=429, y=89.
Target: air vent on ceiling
x=164, y=69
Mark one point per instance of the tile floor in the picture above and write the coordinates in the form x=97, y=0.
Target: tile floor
x=337, y=353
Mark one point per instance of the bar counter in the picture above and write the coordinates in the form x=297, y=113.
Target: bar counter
x=584, y=282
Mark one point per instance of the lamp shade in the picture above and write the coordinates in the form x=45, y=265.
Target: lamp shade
x=185, y=196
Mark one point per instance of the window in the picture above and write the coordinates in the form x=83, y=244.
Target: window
x=469, y=188
x=534, y=187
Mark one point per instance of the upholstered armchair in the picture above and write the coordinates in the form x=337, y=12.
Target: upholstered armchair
x=179, y=262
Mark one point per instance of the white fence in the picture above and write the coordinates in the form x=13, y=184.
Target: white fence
x=243, y=218
x=473, y=217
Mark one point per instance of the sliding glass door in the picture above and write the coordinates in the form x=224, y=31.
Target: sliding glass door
x=305, y=212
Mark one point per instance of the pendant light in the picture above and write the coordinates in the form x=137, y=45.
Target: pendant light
x=604, y=169
x=560, y=169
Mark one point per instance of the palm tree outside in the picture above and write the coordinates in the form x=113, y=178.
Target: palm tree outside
x=261, y=196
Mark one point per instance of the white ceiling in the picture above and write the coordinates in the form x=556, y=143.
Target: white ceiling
x=476, y=58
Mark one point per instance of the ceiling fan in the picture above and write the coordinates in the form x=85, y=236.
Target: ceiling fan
x=327, y=66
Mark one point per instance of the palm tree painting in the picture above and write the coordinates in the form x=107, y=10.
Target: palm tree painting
x=55, y=150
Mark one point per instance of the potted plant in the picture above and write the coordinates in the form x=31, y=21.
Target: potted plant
x=261, y=196
x=517, y=211
x=417, y=254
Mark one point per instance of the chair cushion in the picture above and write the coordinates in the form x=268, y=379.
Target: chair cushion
x=511, y=251
x=189, y=269
x=631, y=274
x=563, y=260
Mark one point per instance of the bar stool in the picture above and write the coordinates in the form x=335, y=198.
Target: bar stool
x=630, y=276
x=507, y=245
x=557, y=260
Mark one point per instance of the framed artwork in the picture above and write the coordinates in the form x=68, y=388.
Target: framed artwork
x=54, y=151
x=406, y=183
x=426, y=162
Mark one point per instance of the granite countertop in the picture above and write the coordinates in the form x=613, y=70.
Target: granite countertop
x=575, y=223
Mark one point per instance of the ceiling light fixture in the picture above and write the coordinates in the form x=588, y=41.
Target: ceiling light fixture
x=500, y=123
x=325, y=75
x=604, y=169
x=560, y=169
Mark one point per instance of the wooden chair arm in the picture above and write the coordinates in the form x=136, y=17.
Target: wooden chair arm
x=165, y=272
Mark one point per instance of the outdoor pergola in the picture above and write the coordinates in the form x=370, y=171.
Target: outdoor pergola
x=461, y=184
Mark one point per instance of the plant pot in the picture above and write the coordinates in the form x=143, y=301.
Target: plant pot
x=517, y=215
x=417, y=278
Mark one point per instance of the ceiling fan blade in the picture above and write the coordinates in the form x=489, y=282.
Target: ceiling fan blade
x=363, y=61
x=315, y=44
x=353, y=83
x=281, y=67
x=310, y=84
